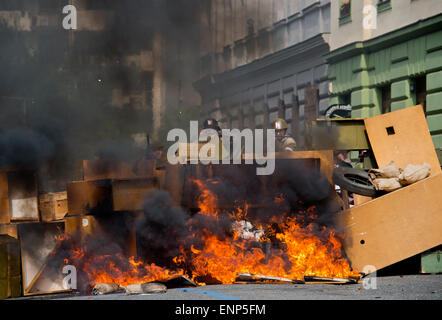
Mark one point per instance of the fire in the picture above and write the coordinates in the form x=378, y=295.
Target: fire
x=288, y=247
x=114, y=268
x=304, y=252
x=207, y=201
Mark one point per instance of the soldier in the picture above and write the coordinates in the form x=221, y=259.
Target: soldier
x=284, y=142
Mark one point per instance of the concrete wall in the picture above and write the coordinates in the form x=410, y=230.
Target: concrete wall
x=401, y=14
x=238, y=32
x=246, y=77
x=394, y=60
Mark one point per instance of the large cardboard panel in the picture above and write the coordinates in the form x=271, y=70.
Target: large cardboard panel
x=394, y=227
x=403, y=137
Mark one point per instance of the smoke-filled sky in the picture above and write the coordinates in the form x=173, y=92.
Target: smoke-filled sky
x=56, y=90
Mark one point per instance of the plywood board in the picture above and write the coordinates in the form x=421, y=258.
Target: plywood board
x=394, y=227
x=403, y=137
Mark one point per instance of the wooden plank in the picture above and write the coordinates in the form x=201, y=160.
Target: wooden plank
x=403, y=137
x=259, y=277
x=394, y=227
x=37, y=276
x=330, y=280
x=31, y=294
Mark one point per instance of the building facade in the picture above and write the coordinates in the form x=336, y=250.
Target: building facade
x=387, y=55
x=262, y=60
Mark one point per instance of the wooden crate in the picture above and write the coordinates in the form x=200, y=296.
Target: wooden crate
x=10, y=278
x=53, y=206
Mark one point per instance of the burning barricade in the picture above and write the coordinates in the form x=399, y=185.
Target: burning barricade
x=225, y=231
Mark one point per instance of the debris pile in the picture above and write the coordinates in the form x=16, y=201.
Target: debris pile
x=391, y=178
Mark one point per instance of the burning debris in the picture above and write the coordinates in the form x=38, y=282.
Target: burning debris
x=223, y=238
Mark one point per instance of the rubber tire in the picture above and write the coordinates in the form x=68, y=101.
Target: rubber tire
x=342, y=177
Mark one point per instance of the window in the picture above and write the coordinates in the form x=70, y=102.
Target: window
x=386, y=99
x=346, y=99
x=344, y=12
x=8, y=5
x=384, y=5
x=345, y=9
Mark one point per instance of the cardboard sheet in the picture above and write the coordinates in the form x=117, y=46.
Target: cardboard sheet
x=403, y=137
x=394, y=227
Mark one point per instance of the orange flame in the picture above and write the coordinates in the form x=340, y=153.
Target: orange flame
x=302, y=250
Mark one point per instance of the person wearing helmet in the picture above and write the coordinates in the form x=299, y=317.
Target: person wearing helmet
x=212, y=124
x=284, y=142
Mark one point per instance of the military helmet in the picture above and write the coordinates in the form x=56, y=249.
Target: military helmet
x=279, y=124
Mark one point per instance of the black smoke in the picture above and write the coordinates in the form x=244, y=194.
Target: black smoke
x=56, y=87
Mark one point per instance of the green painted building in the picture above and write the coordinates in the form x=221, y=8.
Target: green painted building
x=396, y=70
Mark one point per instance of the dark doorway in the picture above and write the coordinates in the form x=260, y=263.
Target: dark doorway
x=386, y=99
x=421, y=91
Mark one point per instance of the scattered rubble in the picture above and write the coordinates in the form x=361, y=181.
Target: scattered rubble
x=391, y=178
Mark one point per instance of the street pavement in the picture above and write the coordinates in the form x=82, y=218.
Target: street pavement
x=410, y=287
